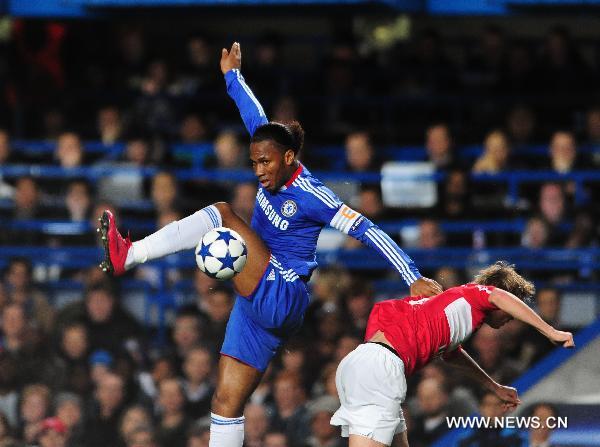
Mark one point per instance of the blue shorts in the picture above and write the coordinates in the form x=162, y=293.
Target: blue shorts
x=260, y=322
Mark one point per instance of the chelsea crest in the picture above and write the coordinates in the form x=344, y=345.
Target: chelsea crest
x=289, y=208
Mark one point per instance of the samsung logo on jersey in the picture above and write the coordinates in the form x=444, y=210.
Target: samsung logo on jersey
x=276, y=220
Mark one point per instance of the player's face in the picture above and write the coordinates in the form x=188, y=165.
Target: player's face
x=497, y=318
x=271, y=166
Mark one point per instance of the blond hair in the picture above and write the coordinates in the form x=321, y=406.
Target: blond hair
x=504, y=276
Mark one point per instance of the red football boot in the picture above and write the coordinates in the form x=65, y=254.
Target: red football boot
x=115, y=246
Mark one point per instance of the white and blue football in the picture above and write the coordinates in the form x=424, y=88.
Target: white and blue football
x=221, y=253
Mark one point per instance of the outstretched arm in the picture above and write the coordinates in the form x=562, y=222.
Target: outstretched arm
x=464, y=362
x=359, y=227
x=512, y=305
x=250, y=109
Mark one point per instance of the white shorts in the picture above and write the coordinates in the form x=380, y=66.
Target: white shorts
x=371, y=384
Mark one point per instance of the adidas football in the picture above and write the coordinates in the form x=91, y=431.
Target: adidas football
x=221, y=253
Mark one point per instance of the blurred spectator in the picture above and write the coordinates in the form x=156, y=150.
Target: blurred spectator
x=53, y=123
x=228, y=152
x=21, y=343
x=193, y=129
x=359, y=301
x=461, y=401
x=290, y=414
x=21, y=290
x=592, y=129
x=263, y=392
x=164, y=192
x=174, y=422
x=126, y=186
x=488, y=63
x=520, y=125
x=540, y=437
x=345, y=345
x=109, y=325
x=73, y=352
x=6, y=190
x=198, y=75
x=582, y=235
x=187, y=333
x=101, y=363
x=217, y=305
x=256, y=425
x=197, y=369
x=137, y=152
x=430, y=70
x=495, y=156
x=102, y=427
x=199, y=434
x=563, y=152
x=430, y=234
x=203, y=283
x=242, y=202
x=432, y=398
x=6, y=433
x=133, y=417
x=326, y=383
x=561, y=68
x=109, y=125
x=69, y=150
x=329, y=328
x=153, y=110
x=294, y=357
x=519, y=77
x=548, y=306
x=448, y=277
x=78, y=201
x=370, y=203
x=27, y=199
x=491, y=407
x=68, y=408
x=285, y=110
x=439, y=146
x=488, y=352
x=360, y=156
x=34, y=408
x=276, y=439
x=322, y=433
x=143, y=436
x=553, y=208
x=454, y=199
x=9, y=396
x=536, y=233
x=54, y=433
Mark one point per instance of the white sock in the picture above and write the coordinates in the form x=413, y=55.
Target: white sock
x=226, y=432
x=176, y=236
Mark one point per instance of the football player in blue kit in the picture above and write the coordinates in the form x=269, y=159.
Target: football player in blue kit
x=290, y=211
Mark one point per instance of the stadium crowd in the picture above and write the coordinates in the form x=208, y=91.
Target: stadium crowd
x=82, y=369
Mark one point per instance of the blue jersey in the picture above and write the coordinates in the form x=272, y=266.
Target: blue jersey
x=290, y=220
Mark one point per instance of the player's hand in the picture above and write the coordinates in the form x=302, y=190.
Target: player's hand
x=231, y=59
x=425, y=287
x=562, y=338
x=509, y=397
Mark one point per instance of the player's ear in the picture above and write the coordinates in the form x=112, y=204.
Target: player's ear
x=289, y=157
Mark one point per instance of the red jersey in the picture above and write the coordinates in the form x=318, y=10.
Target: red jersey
x=420, y=329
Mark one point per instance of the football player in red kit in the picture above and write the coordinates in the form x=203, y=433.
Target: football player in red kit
x=404, y=335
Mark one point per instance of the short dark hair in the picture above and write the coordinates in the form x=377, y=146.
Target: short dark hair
x=285, y=135
x=503, y=275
